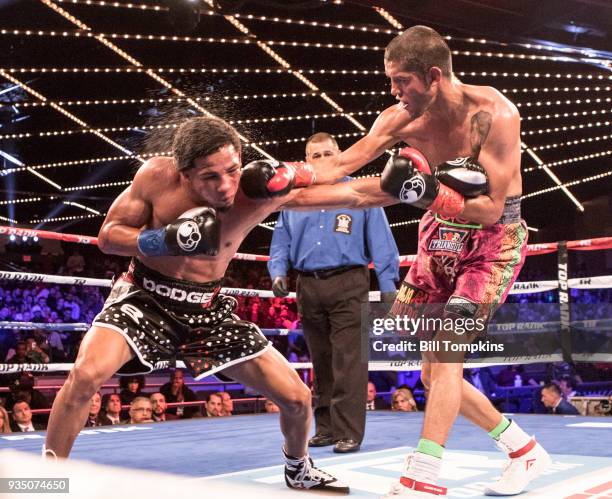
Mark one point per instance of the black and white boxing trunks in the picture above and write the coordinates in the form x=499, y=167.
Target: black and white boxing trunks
x=167, y=319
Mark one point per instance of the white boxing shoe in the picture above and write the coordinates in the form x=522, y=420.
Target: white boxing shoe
x=524, y=466
x=407, y=487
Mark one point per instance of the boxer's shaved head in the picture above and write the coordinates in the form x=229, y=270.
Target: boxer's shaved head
x=200, y=137
x=418, y=49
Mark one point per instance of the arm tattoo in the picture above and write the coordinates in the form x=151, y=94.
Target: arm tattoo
x=481, y=124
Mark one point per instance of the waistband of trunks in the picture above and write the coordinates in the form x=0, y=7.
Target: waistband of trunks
x=510, y=215
x=174, y=292
x=512, y=211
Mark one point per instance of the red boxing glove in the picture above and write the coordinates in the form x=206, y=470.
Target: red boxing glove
x=419, y=162
x=266, y=178
x=290, y=175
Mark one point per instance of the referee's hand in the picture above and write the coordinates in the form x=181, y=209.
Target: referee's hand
x=280, y=286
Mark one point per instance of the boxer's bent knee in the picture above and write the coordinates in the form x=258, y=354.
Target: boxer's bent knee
x=297, y=401
x=84, y=381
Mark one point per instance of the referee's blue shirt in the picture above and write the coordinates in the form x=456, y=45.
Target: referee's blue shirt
x=327, y=239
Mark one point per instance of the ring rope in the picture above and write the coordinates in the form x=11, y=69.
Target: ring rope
x=600, y=243
x=522, y=287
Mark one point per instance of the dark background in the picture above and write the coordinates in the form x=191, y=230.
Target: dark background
x=576, y=33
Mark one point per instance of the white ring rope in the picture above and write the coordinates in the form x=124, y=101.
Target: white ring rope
x=598, y=282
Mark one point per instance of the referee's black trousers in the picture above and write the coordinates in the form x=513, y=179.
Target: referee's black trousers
x=331, y=319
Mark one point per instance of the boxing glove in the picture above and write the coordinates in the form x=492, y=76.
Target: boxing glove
x=409, y=177
x=280, y=286
x=266, y=178
x=195, y=232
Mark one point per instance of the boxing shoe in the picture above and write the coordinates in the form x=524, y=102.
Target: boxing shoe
x=407, y=487
x=302, y=474
x=423, y=466
x=48, y=454
x=525, y=465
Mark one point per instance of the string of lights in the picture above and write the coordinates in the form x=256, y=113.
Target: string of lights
x=164, y=100
x=568, y=161
x=571, y=142
x=10, y=220
x=565, y=115
x=534, y=155
x=280, y=119
x=294, y=71
x=352, y=27
x=282, y=43
x=568, y=184
x=554, y=89
x=562, y=102
x=566, y=128
x=167, y=100
x=272, y=119
x=65, y=219
x=151, y=73
x=98, y=186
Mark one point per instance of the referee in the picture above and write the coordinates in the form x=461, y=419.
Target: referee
x=331, y=250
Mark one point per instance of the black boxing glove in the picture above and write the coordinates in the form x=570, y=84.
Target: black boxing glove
x=464, y=175
x=280, y=286
x=409, y=177
x=195, y=232
x=267, y=178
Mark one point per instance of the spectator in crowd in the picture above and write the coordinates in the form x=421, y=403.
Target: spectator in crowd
x=5, y=422
x=158, y=401
x=214, y=406
x=271, y=407
x=510, y=375
x=95, y=416
x=373, y=402
x=111, y=402
x=131, y=387
x=23, y=389
x=20, y=355
x=567, y=387
x=75, y=263
x=554, y=402
x=141, y=410
x=35, y=353
x=331, y=250
x=228, y=404
x=22, y=418
x=403, y=400
x=176, y=391
x=482, y=379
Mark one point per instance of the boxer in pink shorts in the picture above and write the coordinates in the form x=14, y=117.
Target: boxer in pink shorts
x=467, y=267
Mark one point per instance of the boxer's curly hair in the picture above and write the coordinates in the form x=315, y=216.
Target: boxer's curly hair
x=418, y=49
x=201, y=136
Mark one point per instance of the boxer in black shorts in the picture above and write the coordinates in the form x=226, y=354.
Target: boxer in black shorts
x=182, y=220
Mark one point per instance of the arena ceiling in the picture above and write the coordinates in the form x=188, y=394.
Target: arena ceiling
x=87, y=87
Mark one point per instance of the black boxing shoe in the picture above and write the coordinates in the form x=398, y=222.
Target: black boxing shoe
x=302, y=474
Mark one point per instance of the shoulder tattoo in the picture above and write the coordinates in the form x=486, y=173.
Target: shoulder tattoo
x=479, y=129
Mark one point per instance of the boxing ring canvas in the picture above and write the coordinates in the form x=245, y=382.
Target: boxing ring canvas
x=244, y=454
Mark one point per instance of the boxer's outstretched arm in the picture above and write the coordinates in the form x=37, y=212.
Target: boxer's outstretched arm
x=381, y=137
x=127, y=215
x=360, y=193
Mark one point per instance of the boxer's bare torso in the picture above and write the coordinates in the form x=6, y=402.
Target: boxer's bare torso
x=464, y=132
